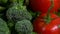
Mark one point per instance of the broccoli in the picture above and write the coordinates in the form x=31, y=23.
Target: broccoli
x=24, y=27
x=17, y=13
x=12, y=1
x=34, y=33
x=2, y=8
x=3, y=27
x=3, y=1
x=10, y=24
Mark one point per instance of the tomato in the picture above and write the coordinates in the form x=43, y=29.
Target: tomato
x=39, y=23
x=52, y=28
x=44, y=5
x=42, y=15
x=59, y=3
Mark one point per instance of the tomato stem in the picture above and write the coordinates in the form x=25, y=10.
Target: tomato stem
x=48, y=13
x=58, y=13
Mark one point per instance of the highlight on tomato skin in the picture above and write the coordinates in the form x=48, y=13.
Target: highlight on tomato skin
x=43, y=5
x=40, y=24
x=52, y=28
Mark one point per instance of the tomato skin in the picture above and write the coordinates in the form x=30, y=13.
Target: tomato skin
x=39, y=23
x=59, y=4
x=42, y=15
x=43, y=5
x=52, y=28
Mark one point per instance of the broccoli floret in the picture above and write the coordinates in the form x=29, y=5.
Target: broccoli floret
x=24, y=27
x=3, y=27
x=17, y=13
x=34, y=33
x=10, y=24
x=2, y=8
x=3, y=1
x=12, y=1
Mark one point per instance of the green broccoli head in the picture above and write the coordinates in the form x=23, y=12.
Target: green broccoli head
x=3, y=27
x=24, y=27
x=17, y=13
x=21, y=2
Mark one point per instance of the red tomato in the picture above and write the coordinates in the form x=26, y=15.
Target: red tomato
x=39, y=23
x=52, y=28
x=59, y=4
x=45, y=14
x=43, y=5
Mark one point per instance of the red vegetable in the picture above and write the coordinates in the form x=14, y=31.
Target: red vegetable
x=43, y=5
x=52, y=28
x=59, y=3
x=40, y=24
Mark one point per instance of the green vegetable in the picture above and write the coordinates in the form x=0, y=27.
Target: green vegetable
x=1, y=15
x=17, y=13
x=24, y=27
x=26, y=2
x=21, y=2
x=12, y=1
x=2, y=8
x=34, y=33
x=10, y=23
x=3, y=1
x=3, y=27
